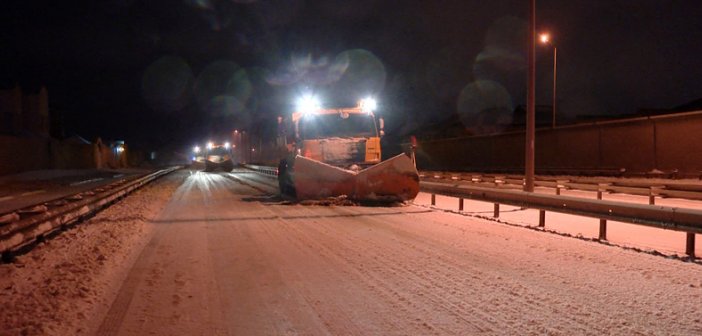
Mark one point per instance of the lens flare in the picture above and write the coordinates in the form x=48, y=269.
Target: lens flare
x=503, y=52
x=305, y=69
x=166, y=84
x=484, y=107
x=201, y=4
x=225, y=106
x=239, y=85
x=364, y=74
x=447, y=72
x=213, y=80
x=223, y=89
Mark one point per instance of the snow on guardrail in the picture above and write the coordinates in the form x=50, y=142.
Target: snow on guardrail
x=16, y=231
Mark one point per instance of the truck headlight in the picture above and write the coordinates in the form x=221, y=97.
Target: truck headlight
x=368, y=105
x=308, y=104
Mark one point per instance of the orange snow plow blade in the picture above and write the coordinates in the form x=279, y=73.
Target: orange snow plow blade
x=395, y=179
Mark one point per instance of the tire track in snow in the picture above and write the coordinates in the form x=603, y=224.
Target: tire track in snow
x=274, y=252
x=443, y=277
x=323, y=263
x=557, y=304
x=335, y=264
x=387, y=263
x=378, y=284
x=520, y=298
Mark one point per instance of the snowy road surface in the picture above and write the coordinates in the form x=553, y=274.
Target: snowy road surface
x=227, y=260
x=214, y=254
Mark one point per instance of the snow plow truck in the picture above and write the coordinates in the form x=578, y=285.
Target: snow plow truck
x=215, y=156
x=336, y=152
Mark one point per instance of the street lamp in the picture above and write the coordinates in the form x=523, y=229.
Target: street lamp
x=546, y=39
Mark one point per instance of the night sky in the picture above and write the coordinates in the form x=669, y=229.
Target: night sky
x=172, y=72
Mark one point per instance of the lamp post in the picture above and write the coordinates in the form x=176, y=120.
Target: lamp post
x=546, y=39
x=530, y=100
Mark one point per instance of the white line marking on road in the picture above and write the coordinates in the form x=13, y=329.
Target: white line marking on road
x=33, y=192
x=86, y=181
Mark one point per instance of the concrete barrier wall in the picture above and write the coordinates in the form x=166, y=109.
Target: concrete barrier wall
x=639, y=145
x=679, y=143
x=630, y=146
x=586, y=156
x=72, y=156
x=19, y=154
x=22, y=154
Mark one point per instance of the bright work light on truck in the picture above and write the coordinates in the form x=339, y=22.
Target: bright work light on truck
x=307, y=104
x=368, y=105
x=226, y=144
x=210, y=145
x=196, y=149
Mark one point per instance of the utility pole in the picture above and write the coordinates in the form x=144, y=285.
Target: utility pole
x=555, y=58
x=531, y=97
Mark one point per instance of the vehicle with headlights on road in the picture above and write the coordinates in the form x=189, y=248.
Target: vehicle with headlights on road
x=215, y=156
x=336, y=152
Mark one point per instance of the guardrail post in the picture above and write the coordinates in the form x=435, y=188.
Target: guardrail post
x=603, y=222
x=433, y=199
x=460, y=204
x=542, y=218
x=496, y=210
x=560, y=184
x=690, y=245
x=601, y=187
x=653, y=192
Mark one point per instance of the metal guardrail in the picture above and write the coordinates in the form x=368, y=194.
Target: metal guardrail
x=670, y=218
x=16, y=231
x=653, y=189
x=265, y=170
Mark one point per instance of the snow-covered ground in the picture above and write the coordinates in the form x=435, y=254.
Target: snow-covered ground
x=59, y=287
x=624, y=234
x=221, y=258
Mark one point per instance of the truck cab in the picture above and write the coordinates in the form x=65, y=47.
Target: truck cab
x=336, y=152
x=346, y=137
